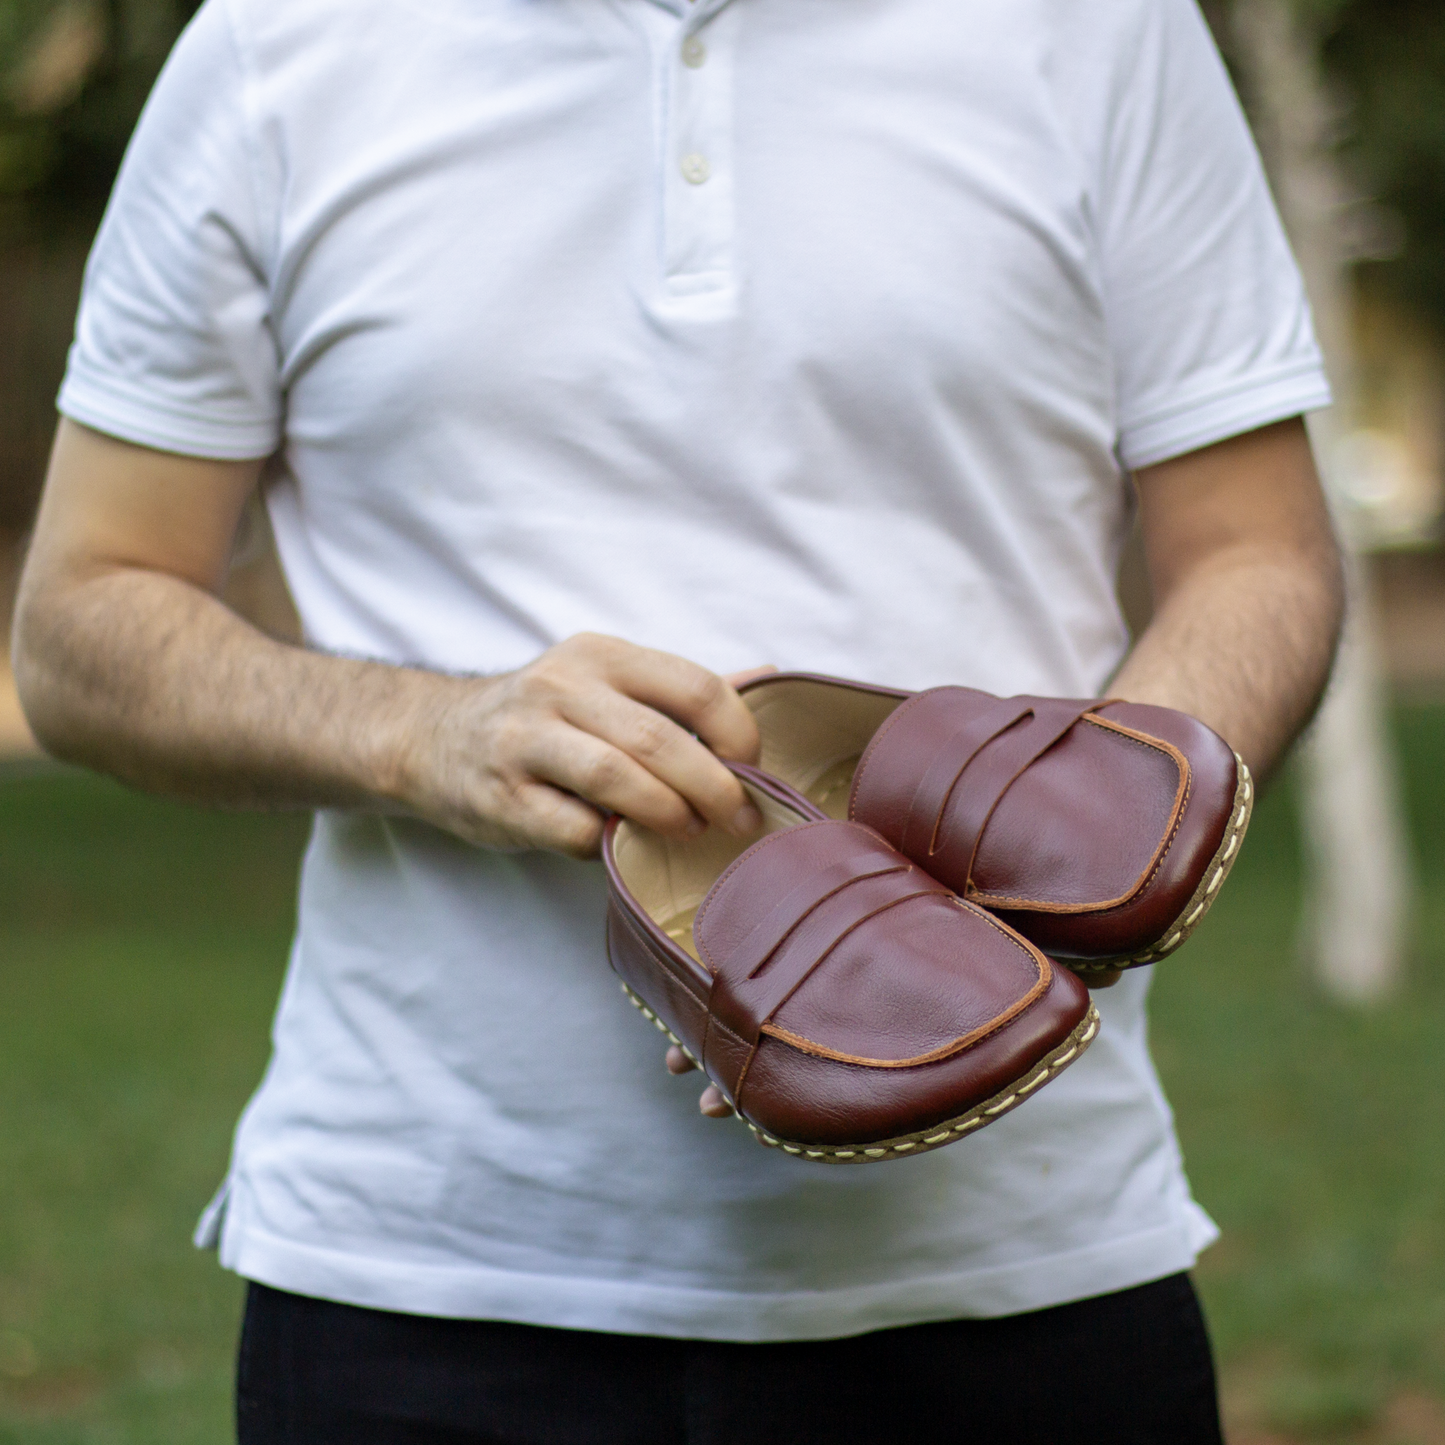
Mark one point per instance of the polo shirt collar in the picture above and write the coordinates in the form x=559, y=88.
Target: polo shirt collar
x=694, y=13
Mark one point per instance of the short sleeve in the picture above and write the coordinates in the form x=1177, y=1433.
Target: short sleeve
x=1207, y=315
x=173, y=346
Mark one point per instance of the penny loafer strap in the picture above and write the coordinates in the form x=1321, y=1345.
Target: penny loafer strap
x=749, y=957
x=748, y=989
x=936, y=786
x=955, y=816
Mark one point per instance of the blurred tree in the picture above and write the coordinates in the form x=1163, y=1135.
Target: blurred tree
x=1358, y=884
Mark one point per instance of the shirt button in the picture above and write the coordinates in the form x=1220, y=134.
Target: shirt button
x=695, y=169
x=694, y=52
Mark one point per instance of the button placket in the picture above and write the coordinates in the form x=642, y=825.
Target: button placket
x=698, y=174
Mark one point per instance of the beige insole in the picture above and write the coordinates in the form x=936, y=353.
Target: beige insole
x=814, y=733
x=830, y=792
x=833, y=787
x=679, y=928
x=671, y=879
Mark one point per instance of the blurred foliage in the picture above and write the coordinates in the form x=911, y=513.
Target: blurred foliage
x=1389, y=59
x=73, y=77
x=1385, y=62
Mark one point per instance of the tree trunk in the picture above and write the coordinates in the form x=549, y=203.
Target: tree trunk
x=1358, y=881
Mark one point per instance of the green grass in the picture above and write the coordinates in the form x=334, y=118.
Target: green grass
x=141, y=945
x=1316, y=1135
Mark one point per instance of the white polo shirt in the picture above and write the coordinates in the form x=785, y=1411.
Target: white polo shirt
x=812, y=332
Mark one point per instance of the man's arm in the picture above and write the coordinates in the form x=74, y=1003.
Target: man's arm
x=1248, y=590
x=126, y=661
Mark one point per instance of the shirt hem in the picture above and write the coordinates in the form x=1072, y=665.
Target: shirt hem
x=1224, y=412
x=470, y=1291
x=119, y=411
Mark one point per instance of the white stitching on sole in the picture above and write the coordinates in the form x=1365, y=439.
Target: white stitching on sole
x=1204, y=895
x=981, y=1114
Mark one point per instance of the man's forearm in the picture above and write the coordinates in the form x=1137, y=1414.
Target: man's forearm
x=149, y=678
x=126, y=661
x=1248, y=590
x=1245, y=645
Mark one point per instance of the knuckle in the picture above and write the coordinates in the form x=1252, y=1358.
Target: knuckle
x=509, y=743
x=506, y=802
x=579, y=836
x=550, y=820
x=541, y=679
x=593, y=645
x=703, y=691
x=650, y=735
x=601, y=772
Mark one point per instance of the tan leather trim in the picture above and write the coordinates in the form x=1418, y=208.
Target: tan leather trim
x=1176, y=816
x=944, y=1051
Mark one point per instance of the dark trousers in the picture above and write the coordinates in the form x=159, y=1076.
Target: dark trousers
x=1132, y=1368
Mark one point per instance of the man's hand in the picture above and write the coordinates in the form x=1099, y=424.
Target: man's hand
x=514, y=761
x=126, y=661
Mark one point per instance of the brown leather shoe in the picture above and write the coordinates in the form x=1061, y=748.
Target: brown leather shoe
x=1099, y=830
x=849, y=1006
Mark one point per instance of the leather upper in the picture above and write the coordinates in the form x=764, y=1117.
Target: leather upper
x=1087, y=823
x=995, y=795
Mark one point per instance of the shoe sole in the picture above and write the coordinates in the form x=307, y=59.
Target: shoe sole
x=924, y=1140
x=1203, y=897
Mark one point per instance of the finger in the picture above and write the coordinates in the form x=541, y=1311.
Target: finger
x=713, y=1104
x=700, y=700
x=543, y=817
x=576, y=759
x=752, y=674
x=668, y=754
x=678, y=1062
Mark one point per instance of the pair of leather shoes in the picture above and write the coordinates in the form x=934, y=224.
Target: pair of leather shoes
x=875, y=976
